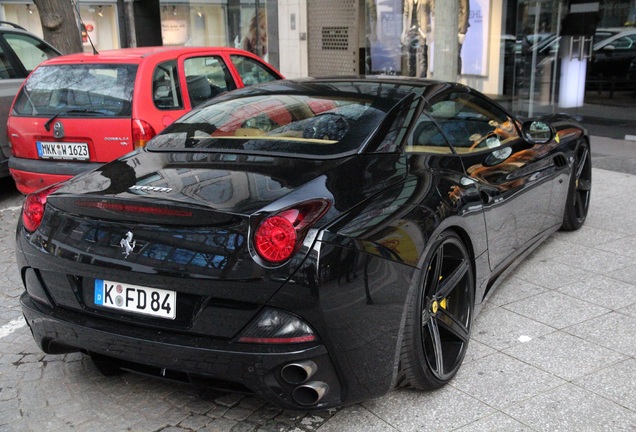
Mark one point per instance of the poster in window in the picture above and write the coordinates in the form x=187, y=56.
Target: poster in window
x=174, y=32
x=88, y=31
x=475, y=48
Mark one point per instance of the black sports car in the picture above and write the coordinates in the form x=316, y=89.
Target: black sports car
x=315, y=242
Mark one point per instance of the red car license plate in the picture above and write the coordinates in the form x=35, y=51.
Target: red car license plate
x=63, y=150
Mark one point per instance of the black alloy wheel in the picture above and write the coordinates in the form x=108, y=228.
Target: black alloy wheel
x=578, y=200
x=437, y=328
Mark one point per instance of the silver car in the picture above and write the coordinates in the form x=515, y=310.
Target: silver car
x=20, y=52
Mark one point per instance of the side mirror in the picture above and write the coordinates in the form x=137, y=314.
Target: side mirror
x=537, y=132
x=609, y=48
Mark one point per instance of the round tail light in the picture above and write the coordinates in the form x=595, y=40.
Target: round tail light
x=275, y=239
x=279, y=236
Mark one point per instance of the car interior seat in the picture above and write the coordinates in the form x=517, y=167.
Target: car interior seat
x=200, y=89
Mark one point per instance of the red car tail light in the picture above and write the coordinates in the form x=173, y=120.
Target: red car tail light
x=142, y=132
x=279, y=236
x=33, y=207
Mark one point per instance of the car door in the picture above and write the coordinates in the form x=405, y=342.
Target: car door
x=206, y=77
x=513, y=177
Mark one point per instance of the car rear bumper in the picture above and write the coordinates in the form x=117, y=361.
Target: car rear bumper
x=221, y=364
x=33, y=174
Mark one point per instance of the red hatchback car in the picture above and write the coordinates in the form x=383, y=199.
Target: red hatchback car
x=79, y=111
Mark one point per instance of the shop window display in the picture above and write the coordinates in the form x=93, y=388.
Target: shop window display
x=203, y=24
x=100, y=27
x=400, y=36
x=194, y=24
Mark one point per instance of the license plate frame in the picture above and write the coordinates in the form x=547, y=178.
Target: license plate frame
x=136, y=299
x=63, y=150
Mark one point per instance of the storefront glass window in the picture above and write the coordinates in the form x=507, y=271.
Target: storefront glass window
x=240, y=24
x=194, y=24
x=25, y=15
x=534, y=56
x=100, y=24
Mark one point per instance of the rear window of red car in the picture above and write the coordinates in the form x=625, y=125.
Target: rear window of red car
x=77, y=90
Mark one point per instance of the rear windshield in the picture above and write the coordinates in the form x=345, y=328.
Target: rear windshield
x=78, y=90
x=276, y=123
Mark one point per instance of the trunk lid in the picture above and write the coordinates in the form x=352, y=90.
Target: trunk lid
x=71, y=139
x=182, y=222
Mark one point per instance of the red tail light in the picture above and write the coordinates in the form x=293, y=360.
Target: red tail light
x=33, y=208
x=278, y=237
x=142, y=132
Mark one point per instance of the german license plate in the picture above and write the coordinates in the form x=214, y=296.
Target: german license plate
x=62, y=150
x=137, y=299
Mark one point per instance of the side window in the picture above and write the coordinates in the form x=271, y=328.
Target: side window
x=624, y=43
x=472, y=123
x=206, y=77
x=6, y=69
x=251, y=71
x=29, y=50
x=426, y=137
x=166, y=93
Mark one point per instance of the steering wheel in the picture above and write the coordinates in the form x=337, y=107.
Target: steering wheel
x=484, y=141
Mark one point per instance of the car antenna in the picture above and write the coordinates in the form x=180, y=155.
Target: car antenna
x=84, y=31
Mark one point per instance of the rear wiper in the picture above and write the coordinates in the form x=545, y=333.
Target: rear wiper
x=47, y=125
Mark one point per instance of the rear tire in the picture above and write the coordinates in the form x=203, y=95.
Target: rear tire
x=578, y=200
x=439, y=317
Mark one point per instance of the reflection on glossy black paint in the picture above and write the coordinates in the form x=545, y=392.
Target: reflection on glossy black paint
x=205, y=251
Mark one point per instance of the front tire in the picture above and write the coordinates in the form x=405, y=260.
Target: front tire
x=578, y=200
x=439, y=317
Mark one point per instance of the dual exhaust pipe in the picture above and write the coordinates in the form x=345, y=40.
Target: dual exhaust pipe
x=307, y=392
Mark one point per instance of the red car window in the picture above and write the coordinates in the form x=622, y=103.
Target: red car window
x=166, y=91
x=252, y=72
x=206, y=77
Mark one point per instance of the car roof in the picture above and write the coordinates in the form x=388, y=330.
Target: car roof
x=392, y=89
x=9, y=27
x=8, y=24
x=137, y=55
x=614, y=33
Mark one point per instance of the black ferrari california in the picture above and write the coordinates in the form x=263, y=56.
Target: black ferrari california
x=315, y=242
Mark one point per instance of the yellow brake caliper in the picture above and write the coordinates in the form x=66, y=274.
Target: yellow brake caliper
x=439, y=304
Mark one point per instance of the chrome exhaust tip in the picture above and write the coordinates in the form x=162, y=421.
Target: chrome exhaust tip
x=298, y=372
x=310, y=393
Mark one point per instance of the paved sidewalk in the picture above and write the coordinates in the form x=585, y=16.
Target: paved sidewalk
x=555, y=347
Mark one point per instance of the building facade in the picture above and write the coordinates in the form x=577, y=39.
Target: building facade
x=535, y=56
